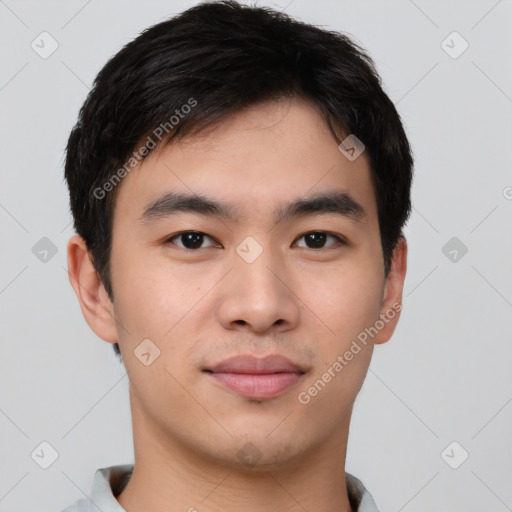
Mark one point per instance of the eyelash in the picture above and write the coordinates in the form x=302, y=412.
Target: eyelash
x=339, y=239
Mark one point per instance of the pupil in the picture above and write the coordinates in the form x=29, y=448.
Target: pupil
x=317, y=239
x=192, y=240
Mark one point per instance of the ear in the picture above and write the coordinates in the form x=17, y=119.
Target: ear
x=95, y=304
x=392, y=295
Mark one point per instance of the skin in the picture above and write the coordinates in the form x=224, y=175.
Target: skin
x=201, y=307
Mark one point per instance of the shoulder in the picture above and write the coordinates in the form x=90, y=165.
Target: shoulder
x=360, y=499
x=82, y=505
x=107, y=483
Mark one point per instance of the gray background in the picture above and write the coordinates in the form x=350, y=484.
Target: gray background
x=445, y=376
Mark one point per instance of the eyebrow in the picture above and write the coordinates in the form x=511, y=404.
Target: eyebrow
x=337, y=202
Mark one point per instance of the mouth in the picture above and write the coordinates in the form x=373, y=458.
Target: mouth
x=256, y=378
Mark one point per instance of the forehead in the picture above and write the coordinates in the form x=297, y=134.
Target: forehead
x=256, y=160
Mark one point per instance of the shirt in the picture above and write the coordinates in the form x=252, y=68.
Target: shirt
x=109, y=482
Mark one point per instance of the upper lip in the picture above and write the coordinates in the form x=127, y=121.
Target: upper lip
x=253, y=365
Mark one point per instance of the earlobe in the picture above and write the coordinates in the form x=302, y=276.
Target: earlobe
x=393, y=290
x=94, y=302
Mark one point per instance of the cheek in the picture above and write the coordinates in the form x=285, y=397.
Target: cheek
x=347, y=302
x=148, y=299
x=161, y=302
x=347, y=297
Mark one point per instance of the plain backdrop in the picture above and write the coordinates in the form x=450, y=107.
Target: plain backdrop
x=438, y=392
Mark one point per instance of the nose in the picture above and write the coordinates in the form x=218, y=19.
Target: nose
x=258, y=296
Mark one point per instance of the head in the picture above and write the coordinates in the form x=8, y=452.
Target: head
x=245, y=119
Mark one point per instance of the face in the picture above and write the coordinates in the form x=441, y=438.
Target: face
x=257, y=274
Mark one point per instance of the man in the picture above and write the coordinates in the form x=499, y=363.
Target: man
x=239, y=182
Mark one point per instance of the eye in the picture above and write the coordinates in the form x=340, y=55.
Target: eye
x=317, y=239
x=194, y=240
x=190, y=240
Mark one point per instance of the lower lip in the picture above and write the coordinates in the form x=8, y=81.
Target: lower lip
x=257, y=386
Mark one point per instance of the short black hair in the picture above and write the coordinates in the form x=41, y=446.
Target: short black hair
x=212, y=60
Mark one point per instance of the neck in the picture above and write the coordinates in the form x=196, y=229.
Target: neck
x=169, y=476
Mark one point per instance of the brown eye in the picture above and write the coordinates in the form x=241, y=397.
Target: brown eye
x=317, y=239
x=190, y=240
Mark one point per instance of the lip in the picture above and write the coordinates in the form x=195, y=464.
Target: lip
x=256, y=378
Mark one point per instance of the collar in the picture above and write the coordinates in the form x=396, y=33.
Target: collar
x=110, y=481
